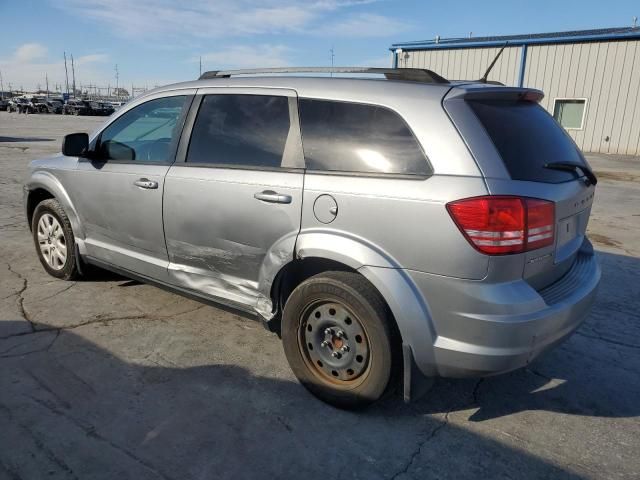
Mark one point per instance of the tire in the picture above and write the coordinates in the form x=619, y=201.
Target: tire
x=326, y=313
x=56, y=237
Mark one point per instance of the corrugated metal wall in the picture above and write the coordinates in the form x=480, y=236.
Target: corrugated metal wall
x=467, y=64
x=606, y=74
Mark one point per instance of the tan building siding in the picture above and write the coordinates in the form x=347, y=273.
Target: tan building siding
x=466, y=64
x=605, y=74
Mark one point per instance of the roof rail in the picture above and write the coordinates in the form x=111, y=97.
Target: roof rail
x=408, y=74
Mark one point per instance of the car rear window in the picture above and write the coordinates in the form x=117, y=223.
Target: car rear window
x=353, y=137
x=527, y=138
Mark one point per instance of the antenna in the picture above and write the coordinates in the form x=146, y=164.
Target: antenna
x=486, y=74
x=200, y=64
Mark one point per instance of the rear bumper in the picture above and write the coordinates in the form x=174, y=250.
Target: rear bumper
x=486, y=329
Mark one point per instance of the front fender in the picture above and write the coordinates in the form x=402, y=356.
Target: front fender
x=47, y=181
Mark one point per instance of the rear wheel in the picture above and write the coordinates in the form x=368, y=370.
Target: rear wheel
x=337, y=338
x=54, y=240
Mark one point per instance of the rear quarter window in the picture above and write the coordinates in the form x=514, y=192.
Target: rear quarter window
x=359, y=138
x=527, y=138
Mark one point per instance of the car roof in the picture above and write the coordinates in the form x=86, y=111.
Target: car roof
x=339, y=88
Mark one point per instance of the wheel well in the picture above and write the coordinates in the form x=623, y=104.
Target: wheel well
x=296, y=272
x=35, y=197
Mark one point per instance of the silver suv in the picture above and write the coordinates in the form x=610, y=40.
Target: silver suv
x=391, y=230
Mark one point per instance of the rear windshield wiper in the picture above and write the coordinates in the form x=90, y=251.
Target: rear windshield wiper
x=573, y=167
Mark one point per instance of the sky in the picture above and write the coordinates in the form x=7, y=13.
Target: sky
x=155, y=42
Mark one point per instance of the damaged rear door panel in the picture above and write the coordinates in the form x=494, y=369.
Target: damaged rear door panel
x=233, y=199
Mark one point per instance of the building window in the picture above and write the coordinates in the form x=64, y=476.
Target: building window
x=569, y=112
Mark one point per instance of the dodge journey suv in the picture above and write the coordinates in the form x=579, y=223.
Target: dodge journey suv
x=390, y=230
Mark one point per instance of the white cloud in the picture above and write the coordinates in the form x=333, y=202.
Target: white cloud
x=243, y=56
x=92, y=58
x=29, y=52
x=29, y=67
x=363, y=25
x=226, y=18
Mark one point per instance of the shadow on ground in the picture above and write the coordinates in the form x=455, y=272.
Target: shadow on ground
x=71, y=409
x=25, y=139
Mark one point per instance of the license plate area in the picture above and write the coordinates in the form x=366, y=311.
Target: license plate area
x=570, y=234
x=567, y=230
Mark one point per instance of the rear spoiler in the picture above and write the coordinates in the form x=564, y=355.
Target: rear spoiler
x=474, y=91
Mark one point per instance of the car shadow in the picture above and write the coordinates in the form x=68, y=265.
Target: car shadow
x=71, y=407
x=25, y=139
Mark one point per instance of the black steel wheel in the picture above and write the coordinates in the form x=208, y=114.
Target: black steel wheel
x=334, y=343
x=337, y=336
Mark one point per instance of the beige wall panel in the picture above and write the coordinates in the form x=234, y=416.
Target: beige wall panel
x=606, y=74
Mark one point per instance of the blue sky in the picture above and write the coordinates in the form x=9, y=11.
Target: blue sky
x=159, y=41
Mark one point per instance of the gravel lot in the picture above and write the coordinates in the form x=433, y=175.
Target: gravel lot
x=110, y=378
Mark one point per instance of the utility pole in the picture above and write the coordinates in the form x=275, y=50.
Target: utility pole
x=73, y=72
x=200, y=67
x=117, y=91
x=46, y=79
x=66, y=72
x=1, y=86
x=332, y=52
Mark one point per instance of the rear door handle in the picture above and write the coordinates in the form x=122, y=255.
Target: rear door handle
x=272, y=197
x=146, y=183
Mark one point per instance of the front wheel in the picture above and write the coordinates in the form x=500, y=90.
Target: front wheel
x=54, y=240
x=337, y=336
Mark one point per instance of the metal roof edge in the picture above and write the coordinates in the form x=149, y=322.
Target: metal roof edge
x=443, y=45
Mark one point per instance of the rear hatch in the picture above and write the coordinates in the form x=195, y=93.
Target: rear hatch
x=522, y=151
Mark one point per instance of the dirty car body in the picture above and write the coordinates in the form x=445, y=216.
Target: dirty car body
x=169, y=192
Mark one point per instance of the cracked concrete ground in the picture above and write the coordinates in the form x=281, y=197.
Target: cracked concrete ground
x=109, y=378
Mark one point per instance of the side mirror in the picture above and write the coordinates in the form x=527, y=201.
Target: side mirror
x=75, y=145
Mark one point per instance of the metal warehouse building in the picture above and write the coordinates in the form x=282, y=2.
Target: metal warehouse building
x=591, y=78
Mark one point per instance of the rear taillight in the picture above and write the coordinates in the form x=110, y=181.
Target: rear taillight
x=499, y=225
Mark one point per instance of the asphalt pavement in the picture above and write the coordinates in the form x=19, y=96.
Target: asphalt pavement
x=109, y=378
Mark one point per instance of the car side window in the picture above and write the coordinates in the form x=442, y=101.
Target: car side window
x=240, y=130
x=145, y=133
x=359, y=138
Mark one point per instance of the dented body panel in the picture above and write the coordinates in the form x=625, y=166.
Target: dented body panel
x=221, y=239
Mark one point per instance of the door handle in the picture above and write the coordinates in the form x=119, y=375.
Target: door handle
x=145, y=183
x=272, y=197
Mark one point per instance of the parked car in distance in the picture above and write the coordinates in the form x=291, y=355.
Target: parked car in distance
x=390, y=232
x=38, y=105
x=54, y=106
x=4, y=103
x=76, y=107
x=19, y=105
x=105, y=108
